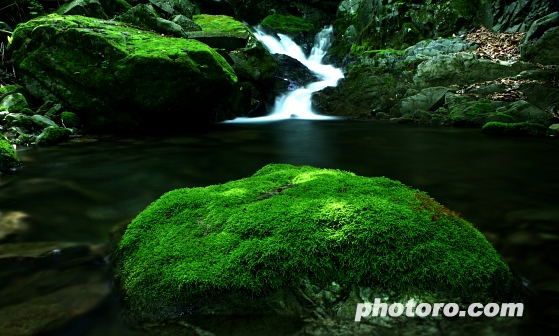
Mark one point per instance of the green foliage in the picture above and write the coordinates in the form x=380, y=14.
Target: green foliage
x=286, y=222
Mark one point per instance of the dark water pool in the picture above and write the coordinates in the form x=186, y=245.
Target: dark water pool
x=508, y=187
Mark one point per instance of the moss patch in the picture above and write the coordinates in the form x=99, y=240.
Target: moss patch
x=287, y=222
x=8, y=157
x=515, y=129
x=53, y=135
x=289, y=25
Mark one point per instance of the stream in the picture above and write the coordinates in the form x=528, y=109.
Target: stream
x=507, y=187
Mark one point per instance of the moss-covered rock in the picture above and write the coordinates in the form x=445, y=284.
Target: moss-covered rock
x=143, y=15
x=10, y=89
x=53, y=135
x=117, y=77
x=202, y=250
x=8, y=157
x=300, y=30
x=515, y=129
x=69, y=119
x=249, y=58
x=221, y=31
x=13, y=103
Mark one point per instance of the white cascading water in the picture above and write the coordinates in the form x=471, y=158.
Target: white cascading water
x=297, y=103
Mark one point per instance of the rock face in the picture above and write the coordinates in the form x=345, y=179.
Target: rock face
x=542, y=41
x=292, y=72
x=300, y=241
x=99, y=70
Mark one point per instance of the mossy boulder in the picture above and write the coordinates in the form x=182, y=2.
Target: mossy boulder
x=10, y=89
x=246, y=246
x=300, y=30
x=53, y=135
x=249, y=58
x=514, y=129
x=115, y=77
x=221, y=31
x=8, y=157
x=13, y=103
x=69, y=119
x=143, y=15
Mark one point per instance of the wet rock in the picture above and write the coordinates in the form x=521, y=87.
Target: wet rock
x=292, y=69
x=18, y=120
x=47, y=285
x=187, y=24
x=12, y=223
x=13, y=103
x=42, y=121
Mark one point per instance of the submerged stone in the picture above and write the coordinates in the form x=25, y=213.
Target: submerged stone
x=301, y=241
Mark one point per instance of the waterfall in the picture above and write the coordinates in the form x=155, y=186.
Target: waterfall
x=297, y=103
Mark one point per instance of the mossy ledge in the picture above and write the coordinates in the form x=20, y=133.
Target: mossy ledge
x=514, y=129
x=256, y=236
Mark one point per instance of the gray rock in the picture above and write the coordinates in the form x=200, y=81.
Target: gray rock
x=175, y=7
x=54, y=111
x=429, y=99
x=145, y=16
x=540, y=26
x=18, y=119
x=91, y=8
x=42, y=121
x=544, y=50
x=186, y=23
x=464, y=69
x=522, y=111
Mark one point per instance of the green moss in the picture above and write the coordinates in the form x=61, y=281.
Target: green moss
x=289, y=222
x=222, y=23
x=53, y=135
x=8, y=157
x=288, y=24
x=69, y=119
x=480, y=108
x=515, y=129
